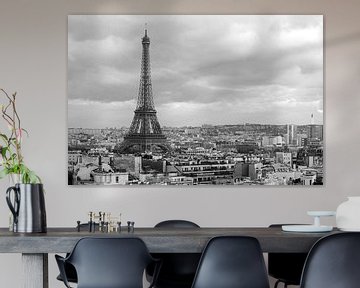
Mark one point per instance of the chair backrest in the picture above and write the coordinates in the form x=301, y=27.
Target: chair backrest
x=286, y=267
x=176, y=224
x=178, y=269
x=232, y=262
x=110, y=262
x=333, y=262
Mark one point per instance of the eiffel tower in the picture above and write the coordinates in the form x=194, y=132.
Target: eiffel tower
x=145, y=131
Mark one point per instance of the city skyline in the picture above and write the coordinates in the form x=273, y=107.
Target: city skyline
x=240, y=69
x=199, y=126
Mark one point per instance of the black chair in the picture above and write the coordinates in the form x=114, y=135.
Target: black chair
x=69, y=269
x=108, y=263
x=286, y=267
x=232, y=262
x=333, y=262
x=178, y=269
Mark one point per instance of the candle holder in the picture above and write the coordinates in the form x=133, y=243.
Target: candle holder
x=315, y=227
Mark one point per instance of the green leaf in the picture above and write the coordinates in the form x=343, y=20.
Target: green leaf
x=4, y=173
x=26, y=132
x=15, y=169
x=3, y=151
x=27, y=175
x=33, y=178
x=4, y=137
x=13, y=156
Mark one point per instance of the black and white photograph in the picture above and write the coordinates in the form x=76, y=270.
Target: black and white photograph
x=233, y=100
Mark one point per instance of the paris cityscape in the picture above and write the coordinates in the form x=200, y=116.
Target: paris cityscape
x=246, y=154
x=144, y=151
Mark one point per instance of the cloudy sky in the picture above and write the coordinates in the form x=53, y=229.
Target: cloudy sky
x=205, y=69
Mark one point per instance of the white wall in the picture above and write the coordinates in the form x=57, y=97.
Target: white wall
x=33, y=61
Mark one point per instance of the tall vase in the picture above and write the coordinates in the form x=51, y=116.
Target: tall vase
x=13, y=179
x=27, y=204
x=348, y=214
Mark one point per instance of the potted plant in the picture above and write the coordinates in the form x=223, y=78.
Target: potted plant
x=26, y=197
x=12, y=161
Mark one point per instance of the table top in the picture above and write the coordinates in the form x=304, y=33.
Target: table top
x=158, y=240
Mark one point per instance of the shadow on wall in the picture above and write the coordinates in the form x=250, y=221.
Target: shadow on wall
x=343, y=39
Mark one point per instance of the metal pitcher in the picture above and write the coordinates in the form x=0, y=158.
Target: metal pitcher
x=27, y=207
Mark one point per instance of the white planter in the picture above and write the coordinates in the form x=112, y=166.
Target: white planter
x=348, y=215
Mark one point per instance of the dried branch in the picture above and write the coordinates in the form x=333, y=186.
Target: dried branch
x=12, y=159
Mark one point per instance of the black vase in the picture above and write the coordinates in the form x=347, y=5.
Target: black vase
x=27, y=207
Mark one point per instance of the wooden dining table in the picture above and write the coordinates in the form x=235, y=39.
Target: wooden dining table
x=35, y=247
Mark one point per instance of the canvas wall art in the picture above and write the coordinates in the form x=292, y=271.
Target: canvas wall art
x=232, y=100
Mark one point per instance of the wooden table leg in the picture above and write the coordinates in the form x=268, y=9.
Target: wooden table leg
x=35, y=270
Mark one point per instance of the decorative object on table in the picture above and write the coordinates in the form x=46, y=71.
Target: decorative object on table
x=28, y=208
x=348, y=214
x=131, y=226
x=101, y=222
x=26, y=197
x=316, y=227
x=214, y=116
